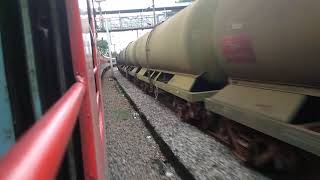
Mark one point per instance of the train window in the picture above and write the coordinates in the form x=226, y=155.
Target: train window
x=139, y=68
x=155, y=74
x=146, y=74
x=131, y=68
x=165, y=77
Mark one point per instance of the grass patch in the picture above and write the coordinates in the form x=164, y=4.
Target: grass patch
x=121, y=114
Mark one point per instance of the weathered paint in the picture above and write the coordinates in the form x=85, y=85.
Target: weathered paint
x=81, y=51
x=183, y=94
x=275, y=41
x=270, y=125
x=29, y=48
x=7, y=138
x=184, y=43
x=278, y=105
x=180, y=85
x=39, y=152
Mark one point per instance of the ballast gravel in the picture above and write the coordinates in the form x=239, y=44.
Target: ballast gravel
x=131, y=151
x=203, y=156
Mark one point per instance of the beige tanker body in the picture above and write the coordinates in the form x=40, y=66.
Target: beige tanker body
x=130, y=53
x=140, y=50
x=121, y=57
x=269, y=41
x=269, y=49
x=183, y=43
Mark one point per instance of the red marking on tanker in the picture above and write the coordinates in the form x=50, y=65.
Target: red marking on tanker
x=237, y=49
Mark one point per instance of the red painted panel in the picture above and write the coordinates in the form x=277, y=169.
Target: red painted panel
x=100, y=108
x=237, y=49
x=92, y=148
x=38, y=154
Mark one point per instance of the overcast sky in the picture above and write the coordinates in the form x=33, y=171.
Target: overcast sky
x=121, y=39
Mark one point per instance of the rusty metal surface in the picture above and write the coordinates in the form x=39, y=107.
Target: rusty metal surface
x=291, y=134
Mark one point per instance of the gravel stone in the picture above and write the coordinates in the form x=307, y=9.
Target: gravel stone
x=132, y=153
x=201, y=154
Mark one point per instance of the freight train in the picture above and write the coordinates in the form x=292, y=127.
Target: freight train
x=247, y=71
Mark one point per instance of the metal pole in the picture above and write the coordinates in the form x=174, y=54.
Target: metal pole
x=108, y=39
x=101, y=17
x=110, y=54
x=165, y=14
x=154, y=14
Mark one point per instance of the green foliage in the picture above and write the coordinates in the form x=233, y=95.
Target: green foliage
x=103, y=47
x=114, y=54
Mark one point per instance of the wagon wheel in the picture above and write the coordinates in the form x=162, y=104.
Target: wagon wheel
x=206, y=119
x=261, y=152
x=156, y=92
x=151, y=89
x=180, y=112
x=265, y=152
x=174, y=103
x=145, y=88
x=239, y=140
x=218, y=129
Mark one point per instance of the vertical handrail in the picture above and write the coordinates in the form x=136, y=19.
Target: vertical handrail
x=91, y=146
x=38, y=154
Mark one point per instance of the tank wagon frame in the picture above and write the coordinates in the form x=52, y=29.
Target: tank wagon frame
x=265, y=119
x=243, y=130
x=275, y=123
x=179, y=84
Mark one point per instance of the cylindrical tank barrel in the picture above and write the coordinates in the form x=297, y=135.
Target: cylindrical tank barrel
x=270, y=41
x=125, y=56
x=140, y=50
x=184, y=43
x=130, y=53
x=120, y=59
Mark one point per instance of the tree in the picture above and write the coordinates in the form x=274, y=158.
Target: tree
x=103, y=47
x=114, y=54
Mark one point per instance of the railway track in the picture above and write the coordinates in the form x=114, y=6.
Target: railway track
x=240, y=150
x=198, y=152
